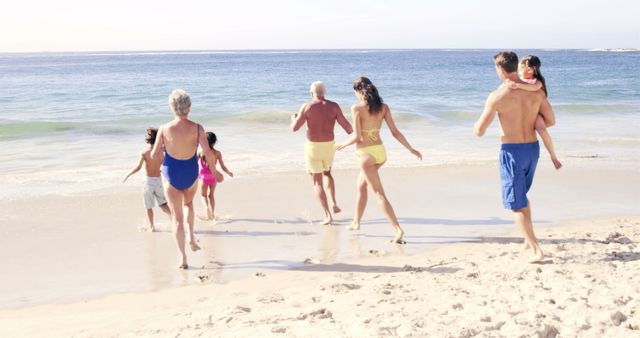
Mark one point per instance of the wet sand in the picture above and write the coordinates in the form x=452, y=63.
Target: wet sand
x=66, y=249
x=587, y=287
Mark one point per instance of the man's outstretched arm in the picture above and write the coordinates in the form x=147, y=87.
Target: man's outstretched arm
x=343, y=122
x=297, y=120
x=487, y=116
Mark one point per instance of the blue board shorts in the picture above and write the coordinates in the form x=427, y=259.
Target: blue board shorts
x=517, y=166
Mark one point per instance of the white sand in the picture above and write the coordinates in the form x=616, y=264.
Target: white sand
x=588, y=287
x=60, y=249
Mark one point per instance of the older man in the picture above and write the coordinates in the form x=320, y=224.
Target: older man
x=517, y=111
x=321, y=115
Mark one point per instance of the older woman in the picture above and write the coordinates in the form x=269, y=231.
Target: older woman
x=179, y=139
x=368, y=115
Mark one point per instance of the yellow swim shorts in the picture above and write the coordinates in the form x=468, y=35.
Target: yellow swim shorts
x=378, y=152
x=319, y=156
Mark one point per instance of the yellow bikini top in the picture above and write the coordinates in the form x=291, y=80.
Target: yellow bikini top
x=371, y=133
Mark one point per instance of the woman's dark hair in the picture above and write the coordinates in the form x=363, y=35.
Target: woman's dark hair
x=150, y=137
x=211, y=138
x=364, y=86
x=534, y=63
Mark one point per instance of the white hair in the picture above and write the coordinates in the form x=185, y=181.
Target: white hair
x=180, y=102
x=318, y=88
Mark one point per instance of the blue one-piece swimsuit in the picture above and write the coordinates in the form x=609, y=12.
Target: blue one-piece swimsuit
x=180, y=173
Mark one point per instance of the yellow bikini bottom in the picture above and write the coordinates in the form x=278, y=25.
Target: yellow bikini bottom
x=378, y=152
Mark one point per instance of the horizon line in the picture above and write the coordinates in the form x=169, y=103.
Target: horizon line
x=308, y=49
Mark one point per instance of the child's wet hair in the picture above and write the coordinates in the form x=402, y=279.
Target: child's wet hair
x=211, y=138
x=150, y=137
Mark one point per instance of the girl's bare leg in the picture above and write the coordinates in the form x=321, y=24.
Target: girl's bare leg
x=205, y=202
x=541, y=128
x=212, y=201
x=361, y=202
x=370, y=170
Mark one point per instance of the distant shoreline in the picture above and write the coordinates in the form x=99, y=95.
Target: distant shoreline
x=308, y=50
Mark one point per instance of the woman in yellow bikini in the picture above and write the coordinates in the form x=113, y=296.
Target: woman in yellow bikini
x=368, y=115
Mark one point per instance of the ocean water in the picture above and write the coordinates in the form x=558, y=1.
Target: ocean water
x=73, y=122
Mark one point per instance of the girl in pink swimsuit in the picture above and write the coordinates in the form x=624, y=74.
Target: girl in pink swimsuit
x=209, y=178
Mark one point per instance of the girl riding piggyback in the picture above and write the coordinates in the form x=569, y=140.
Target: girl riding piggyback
x=529, y=72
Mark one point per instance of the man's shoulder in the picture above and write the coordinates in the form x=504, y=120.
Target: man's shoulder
x=329, y=102
x=499, y=94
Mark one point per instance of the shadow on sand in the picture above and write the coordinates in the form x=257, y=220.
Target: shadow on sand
x=335, y=267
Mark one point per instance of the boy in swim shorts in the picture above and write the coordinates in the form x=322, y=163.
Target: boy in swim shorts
x=153, y=190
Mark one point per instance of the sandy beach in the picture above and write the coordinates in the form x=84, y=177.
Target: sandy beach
x=268, y=268
x=587, y=287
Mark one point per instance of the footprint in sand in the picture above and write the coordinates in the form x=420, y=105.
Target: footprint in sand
x=409, y=268
x=548, y=331
x=617, y=237
x=378, y=253
x=344, y=287
x=203, y=278
x=274, y=298
x=472, y=275
x=241, y=309
x=317, y=314
x=279, y=329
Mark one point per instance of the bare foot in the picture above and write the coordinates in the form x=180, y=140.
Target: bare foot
x=556, y=163
x=336, y=209
x=327, y=221
x=398, y=239
x=194, y=246
x=183, y=263
x=526, y=246
x=354, y=226
x=203, y=218
x=538, y=256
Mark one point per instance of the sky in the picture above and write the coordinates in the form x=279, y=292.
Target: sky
x=138, y=25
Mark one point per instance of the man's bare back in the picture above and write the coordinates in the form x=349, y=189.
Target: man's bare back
x=517, y=111
x=321, y=116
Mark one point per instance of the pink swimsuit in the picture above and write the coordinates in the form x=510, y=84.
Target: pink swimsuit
x=205, y=174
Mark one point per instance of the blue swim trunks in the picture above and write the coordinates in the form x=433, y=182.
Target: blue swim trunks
x=517, y=166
